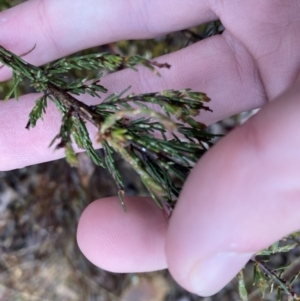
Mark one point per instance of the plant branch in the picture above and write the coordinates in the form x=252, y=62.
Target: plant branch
x=125, y=124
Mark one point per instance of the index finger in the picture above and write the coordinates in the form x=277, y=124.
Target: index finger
x=62, y=27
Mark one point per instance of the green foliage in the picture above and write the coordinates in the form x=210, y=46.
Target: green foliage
x=160, y=145
x=260, y=278
x=267, y=279
x=276, y=248
x=37, y=111
x=242, y=287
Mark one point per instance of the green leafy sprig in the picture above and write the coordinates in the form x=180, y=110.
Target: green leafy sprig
x=279, y=280
x=161, y=145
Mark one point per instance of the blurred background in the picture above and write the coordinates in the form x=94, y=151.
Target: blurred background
x=40, y=207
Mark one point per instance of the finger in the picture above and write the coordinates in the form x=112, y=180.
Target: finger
x=209, y=67
x=267, y=32
x=242, y=196
x=123, y=242
x=61, y=27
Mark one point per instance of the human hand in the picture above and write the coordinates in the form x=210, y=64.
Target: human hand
x=241, y=190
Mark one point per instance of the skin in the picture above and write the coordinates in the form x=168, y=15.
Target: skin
x=244, y=194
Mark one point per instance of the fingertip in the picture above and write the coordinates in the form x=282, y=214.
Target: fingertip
x=208, y=276
x=123, y=242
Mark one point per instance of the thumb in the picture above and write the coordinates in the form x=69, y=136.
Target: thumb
x=242, y=196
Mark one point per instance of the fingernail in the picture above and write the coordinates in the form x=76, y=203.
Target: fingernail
x=210, y=275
